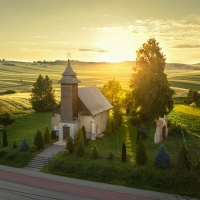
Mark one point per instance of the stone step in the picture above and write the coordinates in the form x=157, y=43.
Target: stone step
x=37, y=162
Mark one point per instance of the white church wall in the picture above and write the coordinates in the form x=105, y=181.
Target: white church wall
x=100, y=121
x=73, y=129
x=85, y=121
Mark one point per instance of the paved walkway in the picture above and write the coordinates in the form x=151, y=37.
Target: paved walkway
x=94, y=190
x=52, y=150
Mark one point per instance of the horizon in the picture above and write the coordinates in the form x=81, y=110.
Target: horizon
x=98, y=31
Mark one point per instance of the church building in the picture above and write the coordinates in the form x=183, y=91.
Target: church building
x=84, y=106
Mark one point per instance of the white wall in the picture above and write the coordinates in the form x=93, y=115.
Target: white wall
x=73, y=129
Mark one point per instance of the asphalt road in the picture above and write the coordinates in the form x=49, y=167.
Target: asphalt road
x=23, y=184
x=15, y=191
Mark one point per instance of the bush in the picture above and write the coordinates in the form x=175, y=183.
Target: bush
x=162, y=158
x=108, y=126
x=38, y=140
x=14, y=145
x=55, y=166
x=183, y=158
x=53, y=135
x=80, y=147
x=95, y=153
x=11, y=156
x=135, y=121
x=84, y=134
x=69, y=168
x=5, y=140
x=47, y=137
x=141, y=155
x=2, y=153
x=65, y=152
x=143, y=131
x=176, y=130
x=24, y=145
x=123, y=157
x=133, y=178
x=110, y=156
x=69, y=144
x=79, y=134
x=33, y=148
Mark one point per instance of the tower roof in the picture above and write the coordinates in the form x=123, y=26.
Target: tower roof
x=69, y=76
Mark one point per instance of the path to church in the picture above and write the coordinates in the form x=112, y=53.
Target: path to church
x=77, y=187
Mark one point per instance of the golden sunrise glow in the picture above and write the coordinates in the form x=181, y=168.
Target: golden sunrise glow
x=99, y=31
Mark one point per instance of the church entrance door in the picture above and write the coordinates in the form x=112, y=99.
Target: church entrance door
x=66, y=132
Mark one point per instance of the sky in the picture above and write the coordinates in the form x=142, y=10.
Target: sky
x=98, y=30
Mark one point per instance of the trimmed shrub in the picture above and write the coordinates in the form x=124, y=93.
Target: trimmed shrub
x=95, y=153
x=65, y=152
x=162, y=158
x=69, y=144
x=141, y=155
x=183, y=158
x=84, y=134
x=33, y=148
x=79, y=134
x=38, y=140
x=47, y=136
x=24, y=145
x=123, y=157
x=80, y=147
x=110, y=156
x=108, y=126
x=53, y=135
x=5, y=140
x=143, y=131
x=14, y=145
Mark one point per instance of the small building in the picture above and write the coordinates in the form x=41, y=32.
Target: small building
x=84, y=106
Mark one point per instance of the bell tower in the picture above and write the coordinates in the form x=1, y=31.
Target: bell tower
x=68, y=124
x=69, y=94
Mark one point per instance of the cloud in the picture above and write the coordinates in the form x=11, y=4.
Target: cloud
x=187, y=46
x=94, y=50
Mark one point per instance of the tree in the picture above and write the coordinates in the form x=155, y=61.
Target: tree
x=113, y=92
x=150, y=88
x=183, y=157
x=162, y=158
x=128, y=102
x=42, y=95
x=47, y=136
x=123, y=153
x=69, y=144
x=108, y=126
x=33, y=149
x=6, y=120
x=24, y=145
x=38, y=140
x=5, y=140
x=192, y=96
x=141, y=155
